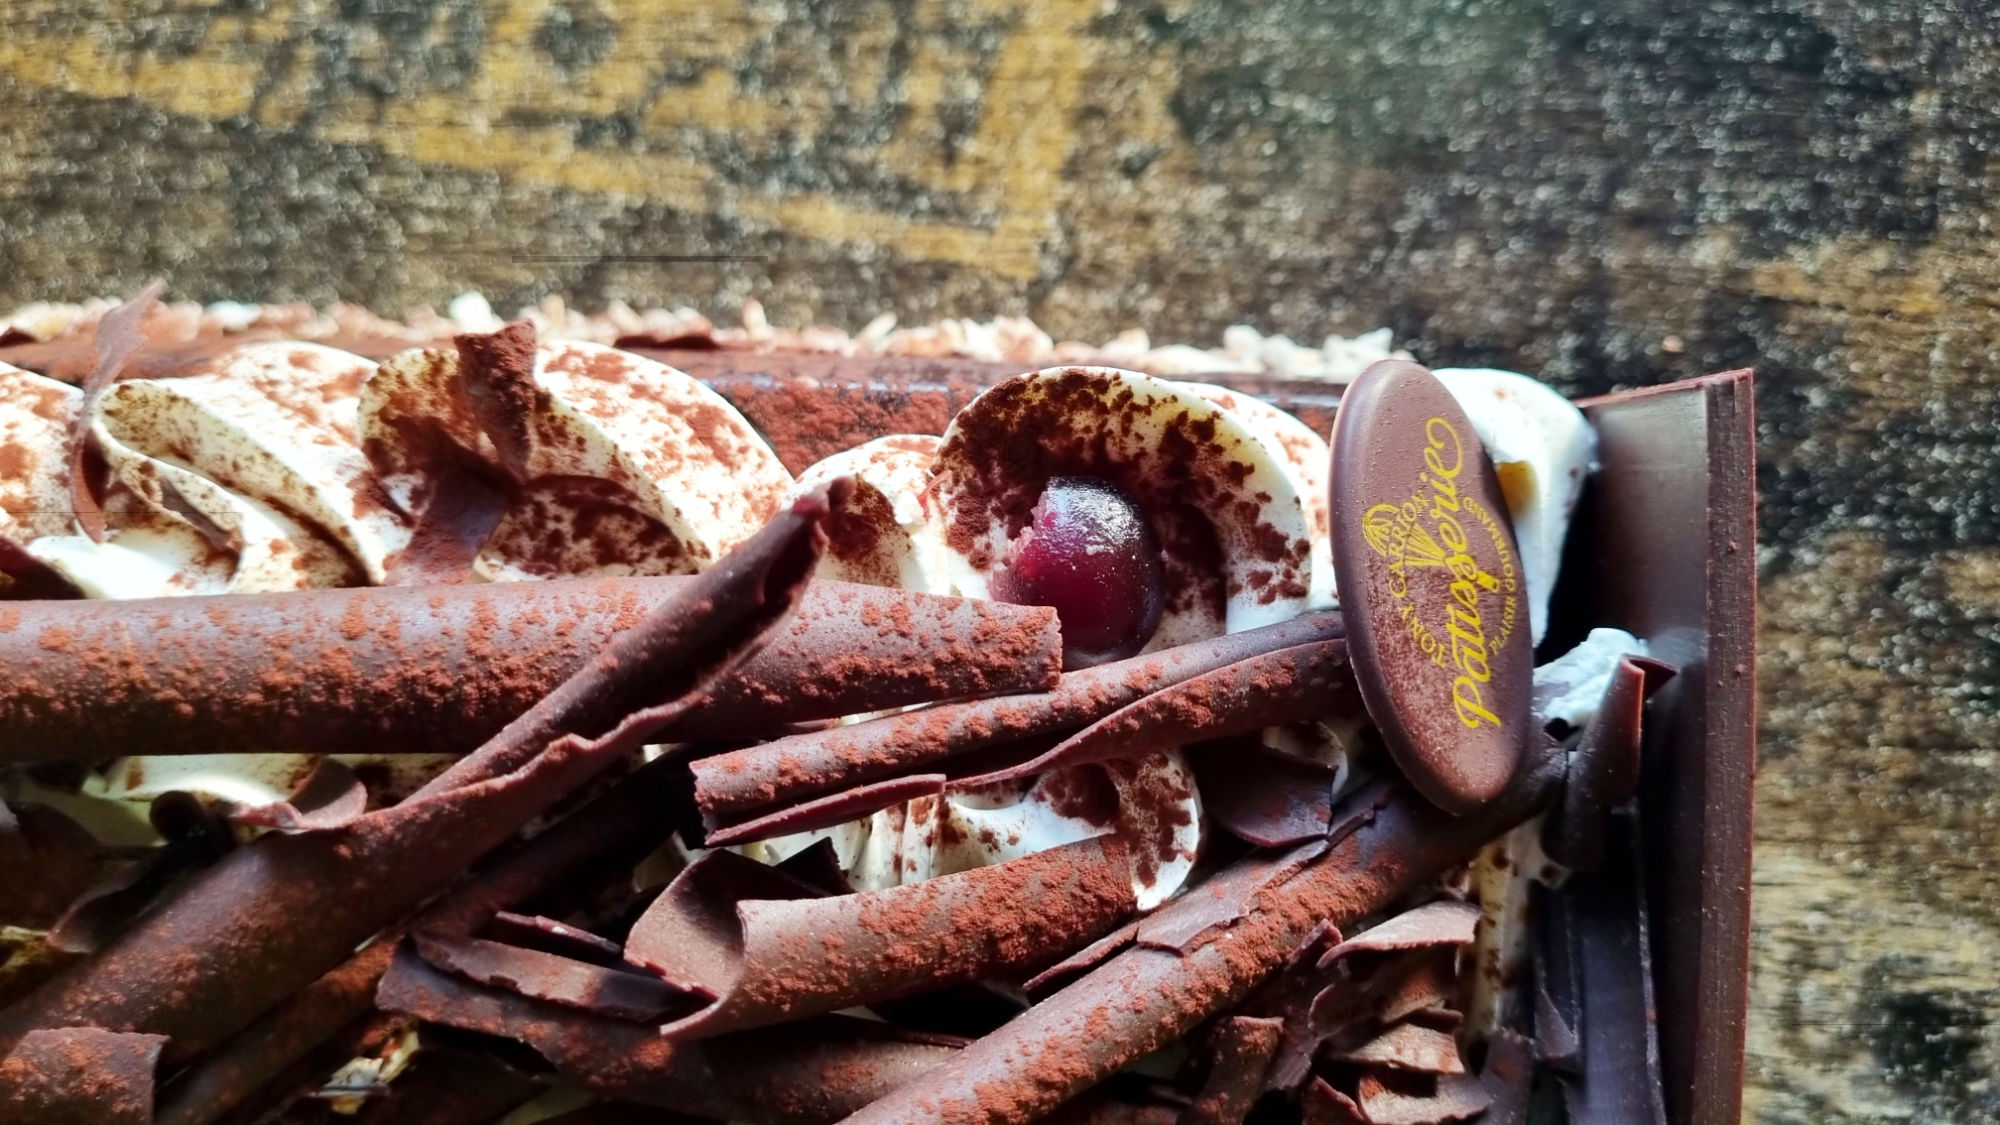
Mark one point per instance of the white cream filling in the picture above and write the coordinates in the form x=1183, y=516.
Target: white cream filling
x=1543, y=448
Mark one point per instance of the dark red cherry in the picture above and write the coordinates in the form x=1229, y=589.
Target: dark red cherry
x=1091, y=555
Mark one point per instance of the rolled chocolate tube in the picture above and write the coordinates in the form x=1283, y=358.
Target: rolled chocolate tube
x=613, y=830
x=768, y=961
x=442, y=669
x=1387, y=841
x=274, y=915
x=734, y=786
x=804, y=1073
x=79, y=1076
x=1242, y=1048
x=1291, y=684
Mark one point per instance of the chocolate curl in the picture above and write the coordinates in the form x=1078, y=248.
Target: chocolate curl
x=1271, y=689
x=1242, y=1047
x=816, y=1070
x=1597, y=955
x=1604, y=772
x=771, y=960
x=609, y=833
x=1390, y=1100
x=274, y=915
x=1324, y=1105
x=443, y=669
x=1435, y=923
x=733, y=786
x=80, y=1076
x=832, y=809
x=1406, y=1046
x=1268, y=799
x=331, y=796
x=1508, y=1077
x=23, y=577
x=619, y=993
x=1146, y=997
x=119, y=338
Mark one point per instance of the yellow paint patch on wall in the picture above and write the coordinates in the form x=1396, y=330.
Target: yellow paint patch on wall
x=515, y=115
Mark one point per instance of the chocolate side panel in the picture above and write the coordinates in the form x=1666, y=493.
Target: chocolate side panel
x=1665, y=547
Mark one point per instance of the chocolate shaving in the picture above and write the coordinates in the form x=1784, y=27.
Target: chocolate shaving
x=1270, y=689
x=1508, y=1077
x=1443, y=922
x=1391, y=1100
x=1218, y=902
x=46, y=861
x=119, y=337
x=1144, y=998
x=446, y=535
x=1241, y=1048
x=1324, y=1105
x=1083, y=959
x=23, y=577
x=744, y=782
x=1270, y=800
x=1604, y=770
x=827, y=811
x=1598, y=922
x=770, y=960
x=229, y=945
x=617, y=993
x=818, y=866
x=1408, y=1047
x=443, y=669
x=80, y=1076
x=815, y=1070
x=331, y=796
x=550, y=936
x=195, y=838
x=608, y=834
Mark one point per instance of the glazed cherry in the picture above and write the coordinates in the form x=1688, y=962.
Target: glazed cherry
x=1091, y=555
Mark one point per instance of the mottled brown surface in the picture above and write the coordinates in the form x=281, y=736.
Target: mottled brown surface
x=1609, y=192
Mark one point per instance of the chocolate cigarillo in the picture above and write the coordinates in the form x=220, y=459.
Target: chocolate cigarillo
x=443, y=669
x=766, y=960
x=1388, y=840
x=231, y=943
x=607, y=833
x=730, y=786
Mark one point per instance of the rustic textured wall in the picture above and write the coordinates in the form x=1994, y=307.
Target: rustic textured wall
x=1609, y=192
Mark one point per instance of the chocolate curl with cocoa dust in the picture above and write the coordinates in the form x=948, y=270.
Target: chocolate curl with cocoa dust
x=771, y=960
x=1241, y=1048
x=1209, y=949
x=750, y=782
x=814, y=1070
x=609, y=833
x=79, y=1076
x=1289, y=685
x=442, y=669
x=272, y=916
x=119, y=338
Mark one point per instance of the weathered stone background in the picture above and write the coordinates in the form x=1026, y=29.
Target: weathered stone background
x=1608, y=192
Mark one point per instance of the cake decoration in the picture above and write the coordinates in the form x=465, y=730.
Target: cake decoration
x=1434, y=601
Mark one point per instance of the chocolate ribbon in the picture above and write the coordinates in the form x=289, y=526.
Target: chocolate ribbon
x=443, y=669
x=812, y=1071
x=270, y=917
x=1270, y=689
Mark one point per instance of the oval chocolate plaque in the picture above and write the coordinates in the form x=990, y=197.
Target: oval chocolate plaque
x=1431, y=588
